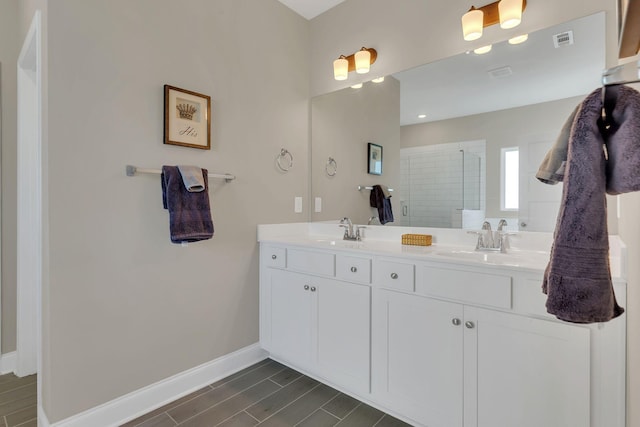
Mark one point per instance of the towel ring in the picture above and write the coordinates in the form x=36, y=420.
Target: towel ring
x=284, y=160
x=331, y=167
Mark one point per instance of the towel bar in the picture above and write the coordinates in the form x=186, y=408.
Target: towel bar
x=132, y=170
x=361, y=187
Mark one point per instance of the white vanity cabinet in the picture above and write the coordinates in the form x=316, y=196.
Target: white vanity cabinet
x=442, y=361
x=437, y=343
x=318, y=324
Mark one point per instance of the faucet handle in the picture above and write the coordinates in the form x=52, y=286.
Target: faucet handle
x=358, y=234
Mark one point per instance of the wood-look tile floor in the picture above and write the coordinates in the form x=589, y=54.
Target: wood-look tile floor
x=266, y=394
x=18, y=401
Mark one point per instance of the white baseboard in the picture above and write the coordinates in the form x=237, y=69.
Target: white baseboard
x=146, y=399
x=43, y=421
x=7, y=363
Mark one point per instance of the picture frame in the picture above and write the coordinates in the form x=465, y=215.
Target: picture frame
x=374, y=158
x=187, y=118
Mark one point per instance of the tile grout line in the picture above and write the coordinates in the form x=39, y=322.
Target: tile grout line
x=349, y=413
x=170, y=417
x=245, y=411
x=319, y=409
x=230, y=397
x=378, y=422
x=331, y=400
x=246, y=373
x=291, y=403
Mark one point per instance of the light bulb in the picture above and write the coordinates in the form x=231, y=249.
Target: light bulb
x=510, y=13
x=363, y=61
x=341, y=68
x=472, y=24
x=483, y=49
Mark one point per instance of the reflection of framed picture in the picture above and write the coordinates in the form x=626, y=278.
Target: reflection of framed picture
x=187, y=118
x=375, y=159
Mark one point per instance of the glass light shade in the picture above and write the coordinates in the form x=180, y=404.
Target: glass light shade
x=483, y=49
x=510, y=13
x=472, y=24
x=363, y=61
x=519, y=39
x=340, y=69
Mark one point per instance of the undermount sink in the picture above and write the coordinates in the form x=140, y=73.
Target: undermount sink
x=515, y=259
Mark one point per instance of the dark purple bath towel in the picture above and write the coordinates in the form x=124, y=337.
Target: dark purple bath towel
x=189, y=213
x=577, y=279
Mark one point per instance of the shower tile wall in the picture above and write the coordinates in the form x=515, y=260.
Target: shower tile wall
x=431, y=185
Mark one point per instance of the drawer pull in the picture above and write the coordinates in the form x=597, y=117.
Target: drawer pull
x=455, y=321
x=354, y=269
x=274, y=256
x=394, y=276
x=469, y=324
x=313, y=289
x=306, y=287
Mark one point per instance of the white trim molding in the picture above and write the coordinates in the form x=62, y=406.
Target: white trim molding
x=130, y=406
x=7, y=363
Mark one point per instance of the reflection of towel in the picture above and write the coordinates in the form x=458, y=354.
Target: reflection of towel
x=377, y=199
x=552, y=169
x=189, y=213
x=577, y=279
x=193, y=178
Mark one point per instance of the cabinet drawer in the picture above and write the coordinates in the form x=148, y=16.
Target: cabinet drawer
x=395, y=275
x=274, y=257
x=322, y=263
x=353, y=269
x=470, y=287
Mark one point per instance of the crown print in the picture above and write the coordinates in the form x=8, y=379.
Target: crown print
x=186, y=111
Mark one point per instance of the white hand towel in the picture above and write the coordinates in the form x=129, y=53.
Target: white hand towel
x=192, y=178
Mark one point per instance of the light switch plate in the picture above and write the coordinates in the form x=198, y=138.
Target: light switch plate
x=318, y=204
x=297, y=205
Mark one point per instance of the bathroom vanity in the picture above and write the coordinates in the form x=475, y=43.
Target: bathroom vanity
x=439, y=335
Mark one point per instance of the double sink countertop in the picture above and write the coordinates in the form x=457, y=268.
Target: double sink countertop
x=529, y=251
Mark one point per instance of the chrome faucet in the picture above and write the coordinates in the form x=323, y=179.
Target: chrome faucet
x=349, y=234
x=488, y=234
x=492, y=241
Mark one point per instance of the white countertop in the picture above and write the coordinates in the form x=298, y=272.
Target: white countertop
x=528, y=251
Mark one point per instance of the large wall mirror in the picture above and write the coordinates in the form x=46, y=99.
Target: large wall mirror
x=450, y=131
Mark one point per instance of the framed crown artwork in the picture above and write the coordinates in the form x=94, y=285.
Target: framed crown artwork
x=187, y=118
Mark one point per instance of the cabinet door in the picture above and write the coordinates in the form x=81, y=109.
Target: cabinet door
x=530, y=372
x=343, y=333
x=291, y=315
x=418, y=357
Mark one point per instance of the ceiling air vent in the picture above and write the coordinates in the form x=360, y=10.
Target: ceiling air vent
x=563, y=39
x=501, y=72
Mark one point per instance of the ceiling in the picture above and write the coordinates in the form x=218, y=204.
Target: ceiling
x=539, y=72
x=310, y=8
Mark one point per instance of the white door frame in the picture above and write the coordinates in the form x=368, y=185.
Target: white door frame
x=30, y=202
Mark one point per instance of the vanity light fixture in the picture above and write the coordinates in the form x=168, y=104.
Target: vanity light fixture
x=508, y=13
x=519, y=39
x=360, y=62
x=482, y=50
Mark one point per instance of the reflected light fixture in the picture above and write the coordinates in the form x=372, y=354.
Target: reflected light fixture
x=482, y=50
x=422, y=116
x=378, y=79
x=360, y=62
x=508, y=13
x=356, y=86
x=519, y=39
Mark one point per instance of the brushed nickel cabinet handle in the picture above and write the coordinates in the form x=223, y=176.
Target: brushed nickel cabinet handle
x=394, y=276
x=274, y=256
x=354, y=269
x=469, y=324
x=455, y=321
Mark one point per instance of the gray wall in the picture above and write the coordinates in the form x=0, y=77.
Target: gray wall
x=343, y=123
x=9, y=50
x=500, y=129
x=125, y=307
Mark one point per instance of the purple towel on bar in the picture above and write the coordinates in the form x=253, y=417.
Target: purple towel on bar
x=189, y=213
x=577, y=279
